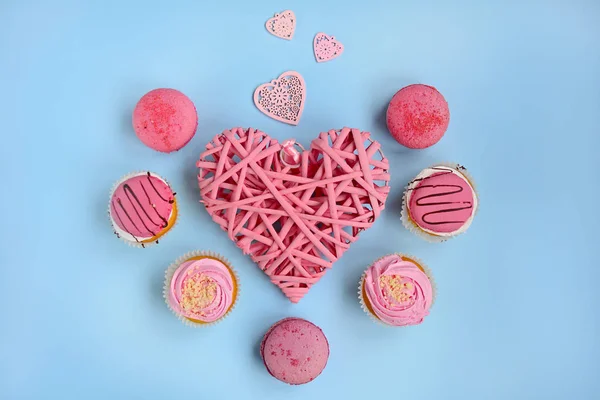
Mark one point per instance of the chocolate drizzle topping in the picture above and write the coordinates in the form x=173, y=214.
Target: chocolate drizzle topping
x=141, y=207
x=451, y=189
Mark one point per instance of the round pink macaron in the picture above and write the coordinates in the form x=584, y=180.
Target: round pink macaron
x=418, y=116
x=165, y=120
x=295, y=351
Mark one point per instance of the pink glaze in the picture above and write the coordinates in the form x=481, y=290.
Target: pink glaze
x=294, y=351
x=399, y=292
x=418, y=116
x=165, y=120
x=442, y=202
x=202, y=290
x=142, y=205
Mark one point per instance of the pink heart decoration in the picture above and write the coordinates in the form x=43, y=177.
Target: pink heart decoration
x=282, y=25
x=293, y=222
x=283, y=98
x=326, y=47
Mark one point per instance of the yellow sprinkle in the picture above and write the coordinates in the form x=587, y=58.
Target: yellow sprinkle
x=198, y=292
x=394, y=287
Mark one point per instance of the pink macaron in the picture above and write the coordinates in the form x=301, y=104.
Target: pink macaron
x=165, y=120
x=418, y=116
x=295, y=351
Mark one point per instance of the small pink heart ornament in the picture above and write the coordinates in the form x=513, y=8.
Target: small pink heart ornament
x=283, y=98
x=327, y=47
x=282, y=25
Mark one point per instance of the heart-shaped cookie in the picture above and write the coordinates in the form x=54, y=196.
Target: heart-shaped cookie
x=293, y=222
x=283, y=98
x=326, y=47
x=282, y=25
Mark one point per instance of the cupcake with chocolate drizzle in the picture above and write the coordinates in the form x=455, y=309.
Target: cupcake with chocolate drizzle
x=440, y=202
x=142, y=209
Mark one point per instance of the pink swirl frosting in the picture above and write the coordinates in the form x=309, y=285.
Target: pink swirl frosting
x=202, y=290
x=398, y=291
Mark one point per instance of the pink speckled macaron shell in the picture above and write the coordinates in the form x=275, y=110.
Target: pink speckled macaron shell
x=295, y=351
x=418, y=116
x=165, y=120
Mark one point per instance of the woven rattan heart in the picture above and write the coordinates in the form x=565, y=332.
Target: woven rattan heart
x=293, y=222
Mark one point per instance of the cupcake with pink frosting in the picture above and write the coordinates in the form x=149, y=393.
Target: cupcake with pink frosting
x=440, y=202
x=201, y=288
x=397, y=290
x=142, y=208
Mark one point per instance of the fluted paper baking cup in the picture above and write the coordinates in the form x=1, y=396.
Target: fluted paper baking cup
x=204, y=254
x=426, y=270
x=413, y=227
x=133, y=242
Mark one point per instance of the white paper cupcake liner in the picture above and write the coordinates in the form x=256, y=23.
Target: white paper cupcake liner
x=133, y=243
x=363, y=303
x=169, y=276
x=414, y=228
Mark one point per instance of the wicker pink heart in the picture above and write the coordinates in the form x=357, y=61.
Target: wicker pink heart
x=293, y=222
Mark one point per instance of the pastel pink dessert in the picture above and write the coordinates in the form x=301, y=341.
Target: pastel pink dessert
x=202, y=289
x=142, y=208
x=397, y=291
x=418, y=116
x=440, y=201
x=165, y=120
x=295, y=351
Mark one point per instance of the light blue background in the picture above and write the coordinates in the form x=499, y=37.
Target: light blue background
x=517, y=317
